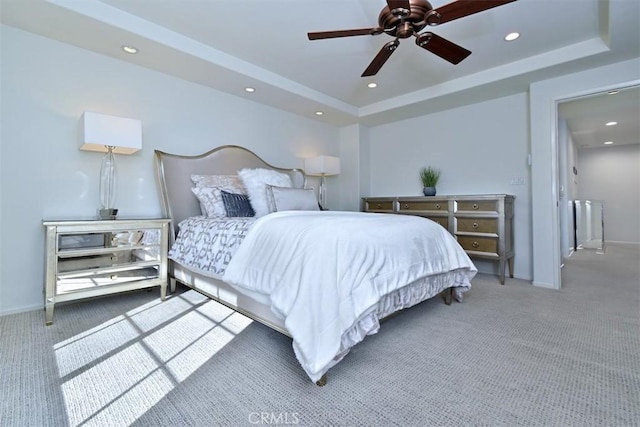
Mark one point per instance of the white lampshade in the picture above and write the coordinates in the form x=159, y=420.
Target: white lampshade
x=99, y=131
x=322, y=165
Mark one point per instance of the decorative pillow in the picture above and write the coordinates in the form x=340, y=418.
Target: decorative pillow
x=292, y=199
x=217, y=181
x=210, y=199
x=237, y=204
x=207, y=190
x=256, y=181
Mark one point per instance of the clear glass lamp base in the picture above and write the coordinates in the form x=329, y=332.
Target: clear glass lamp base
x=108, y=178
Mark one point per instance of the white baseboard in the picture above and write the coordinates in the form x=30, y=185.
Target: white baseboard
x=21, y=309
x=617, y=242
x=544, y=285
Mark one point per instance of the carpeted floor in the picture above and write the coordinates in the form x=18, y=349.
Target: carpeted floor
x=508, y=355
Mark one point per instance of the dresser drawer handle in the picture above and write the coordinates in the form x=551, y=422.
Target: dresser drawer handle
x=475, y=206
x=378, y=206
x=475, y=225
x=406, y=206
x=475, y=244
x=437, y=205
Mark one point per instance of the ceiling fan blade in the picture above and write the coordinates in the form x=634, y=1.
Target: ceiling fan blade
x=462, y=8
x=442, y=47
x=381, y=58
x=399, y=4
x=344, y=33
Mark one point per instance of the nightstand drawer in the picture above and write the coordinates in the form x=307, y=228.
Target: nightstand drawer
x=486, y=245
x=407, y=206
x=95, y=279
x=477, y=225
x=477, y=206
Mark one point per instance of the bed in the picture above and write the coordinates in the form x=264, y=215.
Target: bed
x=324, y=278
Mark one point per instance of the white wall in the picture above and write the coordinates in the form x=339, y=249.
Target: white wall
x=612, y=174
x=480, y=149
x=46, y=85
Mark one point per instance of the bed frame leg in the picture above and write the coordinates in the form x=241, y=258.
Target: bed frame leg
x=448, y=296
x=322, y=381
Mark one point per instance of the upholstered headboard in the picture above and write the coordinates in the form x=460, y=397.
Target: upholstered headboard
x=174, y=177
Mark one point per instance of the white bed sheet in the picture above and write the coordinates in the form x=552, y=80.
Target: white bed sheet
x=321, y=273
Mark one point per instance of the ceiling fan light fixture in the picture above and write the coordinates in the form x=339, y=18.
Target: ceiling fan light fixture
x=423, y=39
x=512, y=36
x=433, y=18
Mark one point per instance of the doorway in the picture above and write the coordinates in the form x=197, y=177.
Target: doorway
x=593, y=127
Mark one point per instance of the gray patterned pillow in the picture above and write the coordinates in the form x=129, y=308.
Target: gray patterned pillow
x=237, y=205
x=216, y=181
x=207, y=190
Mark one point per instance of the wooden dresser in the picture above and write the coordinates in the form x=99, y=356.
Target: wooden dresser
x=482, y=224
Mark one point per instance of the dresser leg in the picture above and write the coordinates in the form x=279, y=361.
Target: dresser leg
x=48, y=308
x=511, y=267
x=172, y=282
x=502, y=267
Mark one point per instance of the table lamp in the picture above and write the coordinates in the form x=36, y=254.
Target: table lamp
x=110, y=135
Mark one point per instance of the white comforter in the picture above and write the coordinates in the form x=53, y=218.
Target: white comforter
x=323, y=271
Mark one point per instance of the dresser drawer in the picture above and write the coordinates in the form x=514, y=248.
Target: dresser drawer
x=378, y=205
x=487, y=245
x=408, y=206
x=477, y=205
x=477, y=225
x=442, y=220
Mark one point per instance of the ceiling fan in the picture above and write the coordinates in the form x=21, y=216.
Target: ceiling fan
x=402, y=19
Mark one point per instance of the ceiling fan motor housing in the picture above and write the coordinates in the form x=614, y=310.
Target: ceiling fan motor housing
x=397, y=23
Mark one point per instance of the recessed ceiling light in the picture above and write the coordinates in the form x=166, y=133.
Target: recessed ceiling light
x=319, y=113
x=372, y=85
x=511, y=36
x=249, y=89
x=612, y=92
x=130, y=49
x=612, y=123
x=608, y=143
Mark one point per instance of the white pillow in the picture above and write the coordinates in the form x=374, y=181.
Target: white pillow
x=256, y=181
x=208, y=188
x=292, y=199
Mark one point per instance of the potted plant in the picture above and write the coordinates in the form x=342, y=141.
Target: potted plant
x=429, y=177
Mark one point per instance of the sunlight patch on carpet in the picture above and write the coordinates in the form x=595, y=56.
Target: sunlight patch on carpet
x=115, y=372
